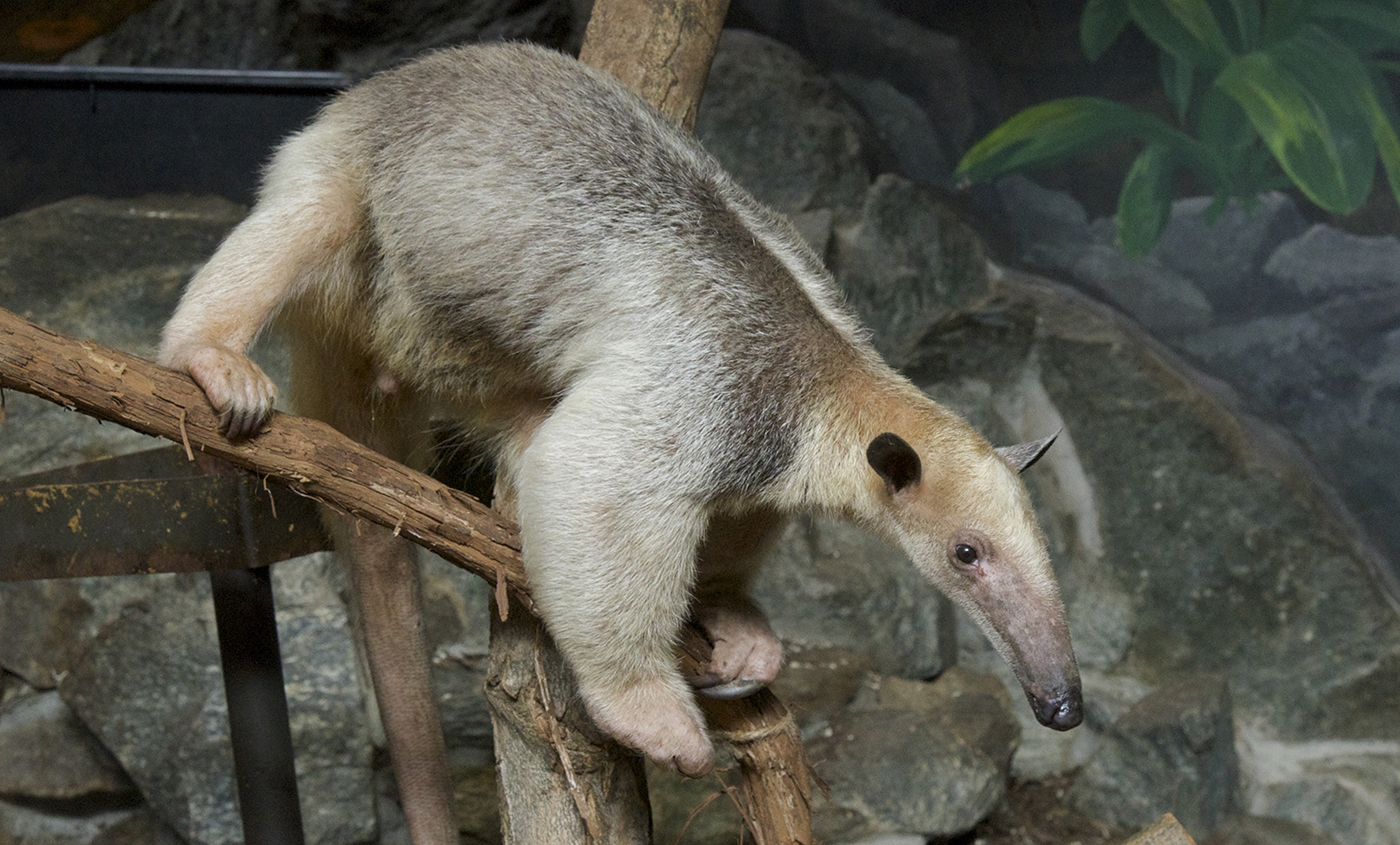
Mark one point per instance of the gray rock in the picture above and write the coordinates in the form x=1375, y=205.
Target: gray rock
x=906, y=263
x=781, y=131
x=815, y=228
x=695, y=806
x=1282, y=360
x=50, y=756
x=109, y=270
x=903, y=127
x=1050, y=227
x=1162, y=300
x=27, y=825
x=1323, y=262
x=1267, y=830
x=817, y=682
x=1223, y=258
x=935, y=70
x=831, y=584
x=324, y=701
x=926, y=759
x=1173, y=751
x=1346, y=788
x=151, y=689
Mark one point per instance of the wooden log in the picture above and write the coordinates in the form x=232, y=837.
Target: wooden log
x=308, y=456
x=661, y=49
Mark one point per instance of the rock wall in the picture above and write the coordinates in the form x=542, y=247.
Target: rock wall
x=1240, y=651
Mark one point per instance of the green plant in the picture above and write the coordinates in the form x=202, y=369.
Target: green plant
x=1267, y=93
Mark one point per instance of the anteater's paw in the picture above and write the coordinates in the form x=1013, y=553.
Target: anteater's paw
x=661, y=722
x=746, y=655
x=239, y=390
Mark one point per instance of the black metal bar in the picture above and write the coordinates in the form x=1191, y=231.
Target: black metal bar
x=257, y=707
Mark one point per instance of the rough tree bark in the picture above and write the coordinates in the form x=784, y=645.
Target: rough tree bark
x=560, y=780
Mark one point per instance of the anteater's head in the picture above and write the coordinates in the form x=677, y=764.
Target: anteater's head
x=960, y=511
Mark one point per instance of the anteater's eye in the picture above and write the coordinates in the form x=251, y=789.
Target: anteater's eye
x=965, y=554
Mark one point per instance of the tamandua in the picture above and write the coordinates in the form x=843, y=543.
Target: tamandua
x=661, y=366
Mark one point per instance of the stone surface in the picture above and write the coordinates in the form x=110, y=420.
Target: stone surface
x=781, y=130
x=905, y=263
x=50, y=756
x=161, y=710
x=918, y=151
x=27, y=825
x=831, y=584
x=1223, y=257
x=1346, y=788
x=1049, y=226
x=935, y=70
x=110, y=270
x=1324, y=262
x=1172, y=752
x=1161, y=299
x=1267, y=830
x=914, y=758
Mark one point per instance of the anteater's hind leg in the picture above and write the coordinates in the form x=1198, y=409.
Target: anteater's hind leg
x=747, y=655
x=337, y=383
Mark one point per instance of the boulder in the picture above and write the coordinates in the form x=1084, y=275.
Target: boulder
x=1223, y=256
x=1345, y=788
x=1323, y=262
x=148, y=686
x=1172, y=752
x=781, y=130
x=1162, y=300
x=917, y=150
x=1050, y=227
x=935, y=70
x=914, y=758
x=905, y=263
x=1267, y=830
x=829, y=584
x=22, y=824
x=50, y=756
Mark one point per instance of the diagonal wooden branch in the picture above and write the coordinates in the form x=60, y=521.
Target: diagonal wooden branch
x=308, y=456
x=316, y=461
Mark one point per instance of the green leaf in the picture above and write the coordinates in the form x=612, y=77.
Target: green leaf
x=1312, y=122
x=1248, y=23
x=1050, y=132
x=1100, y=25
x=1145, y=203
x=1178, y=77
x=1368, y=27
x=1282, y=18
x=1223, y=127
x=1185, y=28
x=1387, y=140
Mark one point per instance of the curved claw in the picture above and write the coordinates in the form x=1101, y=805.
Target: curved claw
x=710, y=687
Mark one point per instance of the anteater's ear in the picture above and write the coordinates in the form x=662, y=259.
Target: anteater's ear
x=895, y=461
x=1022, y=455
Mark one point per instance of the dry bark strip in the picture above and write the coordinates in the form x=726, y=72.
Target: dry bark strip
x=317, y=461
x=308, y=456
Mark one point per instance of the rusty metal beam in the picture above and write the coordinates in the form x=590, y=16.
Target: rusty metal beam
x=148, y=512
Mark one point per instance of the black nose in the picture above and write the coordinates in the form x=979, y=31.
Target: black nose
x=1061, y=711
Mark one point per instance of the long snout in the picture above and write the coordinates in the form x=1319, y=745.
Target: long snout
x=1061, y=708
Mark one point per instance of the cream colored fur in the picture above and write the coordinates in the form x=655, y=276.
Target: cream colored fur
x=663, y=367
